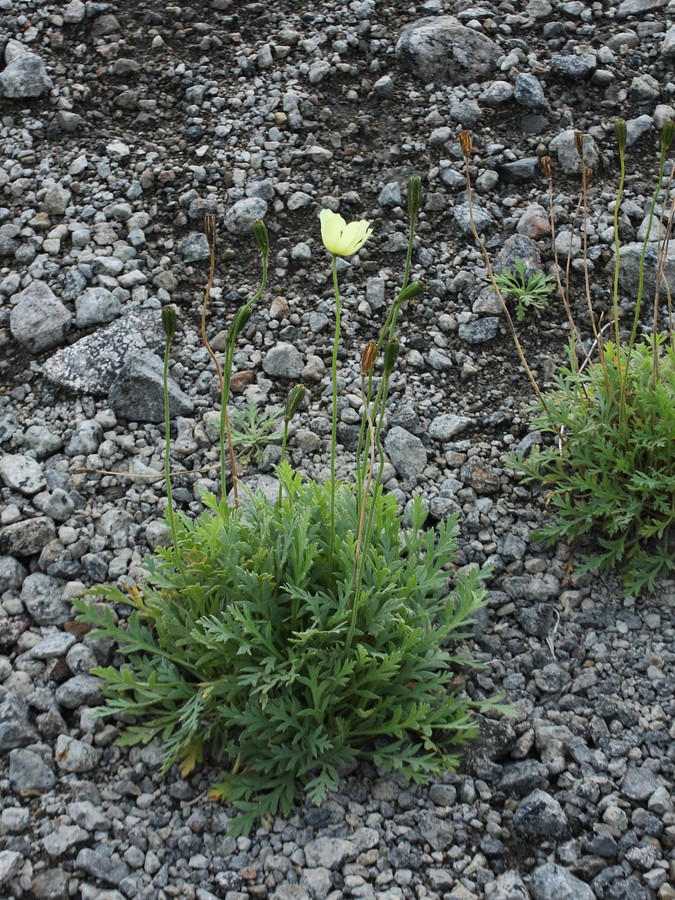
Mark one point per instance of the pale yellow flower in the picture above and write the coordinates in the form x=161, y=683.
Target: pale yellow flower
x=340, y=238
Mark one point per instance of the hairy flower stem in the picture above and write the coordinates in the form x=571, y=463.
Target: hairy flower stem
x=225, y=431
x=170, y=514
x=660, y=266
x=488, y=265
x=641, y=278
x=617, y=251
x=358, y=563
x=333, y=433
x=564, y=296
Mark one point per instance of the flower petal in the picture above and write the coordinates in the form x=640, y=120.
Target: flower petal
x=332, y=227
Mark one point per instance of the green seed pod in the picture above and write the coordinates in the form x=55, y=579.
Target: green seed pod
x=621, y=132
x=169, y=321
x=391, y=355
x=414, y=196
x=411, y=291
x=295, y=397
x=261, y=236
x=667, y=135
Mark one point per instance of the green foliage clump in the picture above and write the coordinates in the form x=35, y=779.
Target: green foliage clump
x=257, y=646
x=529, y=291
x=613, y=477
x=253, y=429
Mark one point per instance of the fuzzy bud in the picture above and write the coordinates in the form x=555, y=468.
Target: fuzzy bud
x=169, y=321
x=621, y=132
x=667, y=135
x=545, y=163
x=465, y=142
x=414, y=196
x=295, y=397
x=210, y=230
x=369, y=357
x=391, y=355
x=261, y=236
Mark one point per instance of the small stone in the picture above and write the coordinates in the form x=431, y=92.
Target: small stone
x=50, y=884
x=81, y=690
x=75, y=756
x=479, y=332
x=29, y=772
x=406, y=452
x=565, y=147
x=15, y=728
x=97, y=306
x=575, y=67
x=42, y=596
x=11, y=863
x=283, y=361
x=639, y=784
x=329, y=853
x=241, y=216
x=27, y=537
x=447, y=426
x=481, y=218
x=53, y=646
x=540, y=814
x=22, y=473
x=99, y=864
x=194, y=247
x=63, y=839
x=553, y=882
x=529, y=92
x=56, y=200
x=14, y=820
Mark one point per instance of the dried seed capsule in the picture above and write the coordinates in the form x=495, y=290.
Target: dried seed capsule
x=210, y=229
x=465, y=142
x=369, y=357
x=579, y=141
x=545, y=163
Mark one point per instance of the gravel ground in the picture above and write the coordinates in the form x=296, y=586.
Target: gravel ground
x=121, y=125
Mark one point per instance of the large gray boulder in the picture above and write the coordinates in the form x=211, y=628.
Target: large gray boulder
x=137, y=394
x=39, y=321
x=25, y=77
x=442, y=50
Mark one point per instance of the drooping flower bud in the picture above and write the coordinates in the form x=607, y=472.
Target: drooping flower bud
x=210, y=229
x=391, y=355
x=414, y=196
x=239, y=322
x=545, y=163
x=369, y=357
x=465, y=142
x=411, y=291
x=169, y=321
x=295, y=397
x=261, y=236
x=621, y=132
